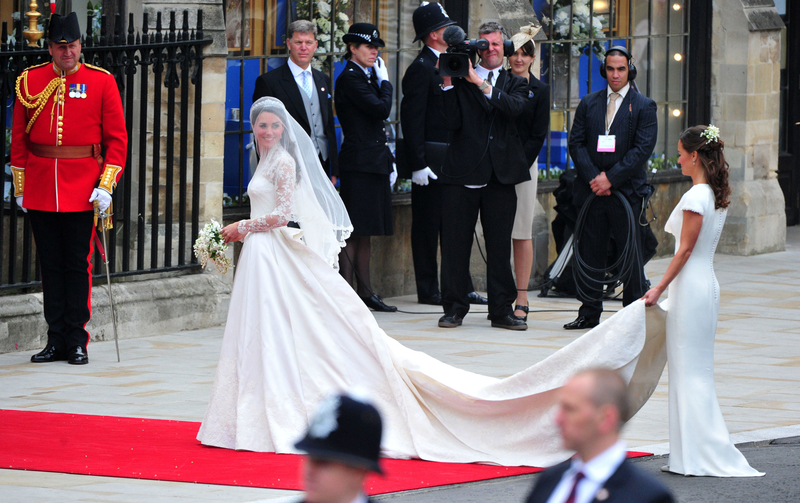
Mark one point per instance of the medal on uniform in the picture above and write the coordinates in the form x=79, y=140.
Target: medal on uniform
x=73, y=90
x=83, y=91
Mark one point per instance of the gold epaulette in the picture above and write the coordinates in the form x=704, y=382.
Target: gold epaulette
x=37, y=66
x=87, y=65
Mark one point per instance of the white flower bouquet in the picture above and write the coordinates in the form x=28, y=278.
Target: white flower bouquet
x=330, y=28
x=582, y=23
x=210, y=247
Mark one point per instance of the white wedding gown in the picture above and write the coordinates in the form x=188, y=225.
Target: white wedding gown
x=296, y=331
x=699, y=443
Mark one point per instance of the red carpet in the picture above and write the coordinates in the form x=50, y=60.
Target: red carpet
x=167, y=450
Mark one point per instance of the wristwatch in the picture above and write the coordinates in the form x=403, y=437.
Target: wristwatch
x=484, y=85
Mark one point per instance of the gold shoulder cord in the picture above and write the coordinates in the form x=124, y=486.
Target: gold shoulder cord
x=96, y=68
x=37, y=101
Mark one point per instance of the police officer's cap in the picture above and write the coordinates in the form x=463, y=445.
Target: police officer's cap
x=345, y=430
x=64, y=30
x=363, y=33
x=429, y=17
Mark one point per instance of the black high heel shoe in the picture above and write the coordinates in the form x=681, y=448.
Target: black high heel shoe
x=524, y=309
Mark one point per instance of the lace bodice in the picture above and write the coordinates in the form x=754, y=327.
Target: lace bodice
x=271, y=192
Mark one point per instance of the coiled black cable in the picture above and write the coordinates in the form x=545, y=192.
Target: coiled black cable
x=627, y=262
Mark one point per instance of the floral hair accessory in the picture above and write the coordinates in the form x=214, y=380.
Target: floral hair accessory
x=711, y=134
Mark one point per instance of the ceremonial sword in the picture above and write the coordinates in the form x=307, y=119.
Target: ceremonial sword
x=106, y=223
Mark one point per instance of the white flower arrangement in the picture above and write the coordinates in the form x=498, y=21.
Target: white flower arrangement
x=711, y=134
x=210, y=247
x=330, y=29
x=577, y=16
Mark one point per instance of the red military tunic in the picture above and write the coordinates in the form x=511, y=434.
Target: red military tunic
x=93, y=115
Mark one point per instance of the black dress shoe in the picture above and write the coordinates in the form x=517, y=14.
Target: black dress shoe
x=48, y=354
x=435, y=300
x=509, y=322
x=581, y=323
x=450, y=321
x=376, y=303
x=77, y=356
x=476, y=298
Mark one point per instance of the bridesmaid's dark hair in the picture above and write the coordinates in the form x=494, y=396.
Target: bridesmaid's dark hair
x=712, y=160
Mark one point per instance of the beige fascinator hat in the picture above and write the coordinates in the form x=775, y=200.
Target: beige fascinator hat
x=525, y=35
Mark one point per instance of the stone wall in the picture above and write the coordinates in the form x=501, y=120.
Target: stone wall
x=745, y=99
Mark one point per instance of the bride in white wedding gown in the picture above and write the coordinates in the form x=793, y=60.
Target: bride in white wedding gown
x=699, y=443
x=296, y=331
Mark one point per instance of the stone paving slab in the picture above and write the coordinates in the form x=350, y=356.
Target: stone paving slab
x=170, y=376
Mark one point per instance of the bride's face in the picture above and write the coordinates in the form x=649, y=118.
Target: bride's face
x=268, y=130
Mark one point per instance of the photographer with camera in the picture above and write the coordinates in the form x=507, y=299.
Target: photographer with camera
x=483, y=163
x=425, y=140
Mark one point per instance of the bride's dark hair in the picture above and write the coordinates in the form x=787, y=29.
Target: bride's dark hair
x=712, y=160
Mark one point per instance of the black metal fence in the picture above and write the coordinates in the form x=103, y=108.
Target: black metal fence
x=157, y=202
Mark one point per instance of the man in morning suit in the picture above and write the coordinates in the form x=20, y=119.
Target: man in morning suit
x=305, y=92
x=483, y=163
x=422, y=119
x=592, y=408
x=343, y=443
x=65, y=115
x=613, y=134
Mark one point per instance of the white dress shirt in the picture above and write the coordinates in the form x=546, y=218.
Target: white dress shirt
x=297, y=72
x=622, y=93
x=596, y=472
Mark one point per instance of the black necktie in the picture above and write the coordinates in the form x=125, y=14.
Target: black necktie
x=489, y=80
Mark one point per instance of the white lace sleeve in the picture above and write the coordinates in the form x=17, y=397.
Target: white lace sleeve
x=283, y=175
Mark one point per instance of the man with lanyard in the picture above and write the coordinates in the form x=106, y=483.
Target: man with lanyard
x=425, y=139
x=612, y=137
x=66, y=114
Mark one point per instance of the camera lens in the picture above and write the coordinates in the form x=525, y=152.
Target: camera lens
x=454, y=66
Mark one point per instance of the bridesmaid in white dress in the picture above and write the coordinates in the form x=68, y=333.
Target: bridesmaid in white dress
x=699, y=443
x=296, y=331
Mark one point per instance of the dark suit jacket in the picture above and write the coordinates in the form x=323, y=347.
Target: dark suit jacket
x=279, y=83
x=484, y=133
x=635, y=127
x=626, y=485
x=362, y=107
x=421, y=111
x=534, y=121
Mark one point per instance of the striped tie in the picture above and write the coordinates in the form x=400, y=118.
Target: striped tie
x=307, y=83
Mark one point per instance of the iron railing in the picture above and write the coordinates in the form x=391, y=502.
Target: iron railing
x=159, y=74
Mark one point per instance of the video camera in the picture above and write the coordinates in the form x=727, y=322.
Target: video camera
x=460, y=52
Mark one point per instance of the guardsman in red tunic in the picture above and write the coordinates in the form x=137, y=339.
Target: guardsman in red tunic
x=68, y=151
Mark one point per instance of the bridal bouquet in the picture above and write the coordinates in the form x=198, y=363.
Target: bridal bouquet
x=211, y=247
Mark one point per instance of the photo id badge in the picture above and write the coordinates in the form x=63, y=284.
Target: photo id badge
x=606, y=143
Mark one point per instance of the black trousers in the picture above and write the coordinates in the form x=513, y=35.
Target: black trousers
x=64, y=246
x=606, y=219
x=426, y=230
x=497, y=204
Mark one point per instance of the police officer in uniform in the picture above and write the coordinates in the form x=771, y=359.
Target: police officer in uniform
x=363, y=101
x=425, y=136
x=67, y=155
x=343, y=445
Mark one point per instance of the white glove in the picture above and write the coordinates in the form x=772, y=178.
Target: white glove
x=102, y=197
x=420, y=176
x=393, y=175
x=381, y=72
x=19, y=203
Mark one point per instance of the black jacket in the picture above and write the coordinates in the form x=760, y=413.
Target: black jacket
x=279, y=83
x=626, y=485
x=421, y=111
x=534, y=121
x=484, y=133
x=635, y=127
x=362, y=107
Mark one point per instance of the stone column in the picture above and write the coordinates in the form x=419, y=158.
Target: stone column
x=745, y=100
